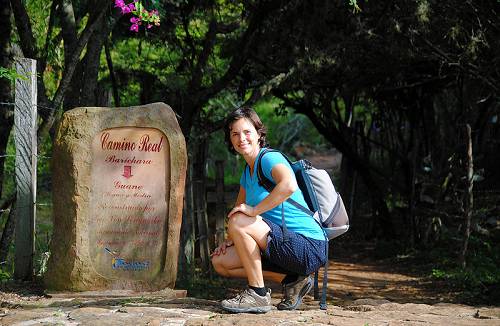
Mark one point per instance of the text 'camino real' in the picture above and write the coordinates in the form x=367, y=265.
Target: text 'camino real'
x=145, y=144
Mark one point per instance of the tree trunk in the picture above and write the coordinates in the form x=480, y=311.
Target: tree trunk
x=92, y=57
x=187, y=238
x=412, y=196
x=468, y=198
x=200, y=203
x=112, y=77
x=6, y=110
x=84, y=83
x=8, y=230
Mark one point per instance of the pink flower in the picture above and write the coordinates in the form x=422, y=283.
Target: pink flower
x=134, y=28
x=149, y=18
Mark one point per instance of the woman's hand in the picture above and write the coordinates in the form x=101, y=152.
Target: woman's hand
x=222, y=248
x=243, y=208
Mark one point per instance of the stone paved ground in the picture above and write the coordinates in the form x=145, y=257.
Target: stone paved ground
x=189, y=311
x=363, y=292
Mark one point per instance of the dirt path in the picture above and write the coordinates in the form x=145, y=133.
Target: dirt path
x=364, y=292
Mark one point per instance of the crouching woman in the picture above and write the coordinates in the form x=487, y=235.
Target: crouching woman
x=256, y=247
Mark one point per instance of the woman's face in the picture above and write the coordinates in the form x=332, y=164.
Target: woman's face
x=244, y=137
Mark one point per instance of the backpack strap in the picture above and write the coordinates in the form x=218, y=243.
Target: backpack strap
x=269, y=185
x=322, y=302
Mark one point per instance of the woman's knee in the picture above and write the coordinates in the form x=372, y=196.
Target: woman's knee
x=219, y=267
x=237, y=222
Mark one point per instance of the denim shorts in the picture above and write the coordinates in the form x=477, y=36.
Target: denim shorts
x=300, y=255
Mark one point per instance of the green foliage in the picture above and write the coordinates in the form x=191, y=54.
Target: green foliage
x=9, y=167
x=481, y=273
x=216, y=110
x=11, y=74
x=7, y=266
x=5, y=275
x=354, y=5
x=286, y=130
x=38, y=12
x=483, y=265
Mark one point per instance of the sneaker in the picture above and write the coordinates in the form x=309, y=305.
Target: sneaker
x=293, y=292
x=248, y=301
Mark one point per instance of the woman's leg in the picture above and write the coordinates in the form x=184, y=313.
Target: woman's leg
x=230, y=265
x=249, y=235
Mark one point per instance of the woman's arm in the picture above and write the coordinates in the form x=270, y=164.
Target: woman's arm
x=241, y=197
x=285, y=187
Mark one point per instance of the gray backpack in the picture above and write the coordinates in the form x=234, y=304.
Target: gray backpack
x=324, y=205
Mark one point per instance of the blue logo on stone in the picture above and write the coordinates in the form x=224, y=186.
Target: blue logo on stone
x=120, y=263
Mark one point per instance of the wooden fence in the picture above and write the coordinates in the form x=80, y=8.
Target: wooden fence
x=25, y=128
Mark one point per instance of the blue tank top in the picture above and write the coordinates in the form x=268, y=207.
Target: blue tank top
x=296, y=220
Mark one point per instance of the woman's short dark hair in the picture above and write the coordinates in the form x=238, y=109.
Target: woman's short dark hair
x=249, y=114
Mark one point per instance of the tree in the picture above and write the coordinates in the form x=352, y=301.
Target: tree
x=383, y=85
x=6, y=112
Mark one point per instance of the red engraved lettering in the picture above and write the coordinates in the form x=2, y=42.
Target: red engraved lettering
x=146, y=146
x=104, y=139
x=110, y=144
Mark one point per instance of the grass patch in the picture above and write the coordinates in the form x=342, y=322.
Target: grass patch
x=478, y=282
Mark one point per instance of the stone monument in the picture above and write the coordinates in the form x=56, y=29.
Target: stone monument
x=118, y=188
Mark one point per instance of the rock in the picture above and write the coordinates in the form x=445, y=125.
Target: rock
x=118, y=187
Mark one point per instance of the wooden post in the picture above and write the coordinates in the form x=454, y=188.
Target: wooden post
x=201, y=215
x=220, y=208
x=186, y=250
x=25, y=128
x=469, y=199
x=200, y=203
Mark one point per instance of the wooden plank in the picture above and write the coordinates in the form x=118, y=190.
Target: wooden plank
x=201, y=214
x=220, y=202
x=25, y=117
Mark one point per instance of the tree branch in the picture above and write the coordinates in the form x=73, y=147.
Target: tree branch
x=68, y=73
x=24, y=29
x=43, y=59
x=208, y=45
x=114, y=85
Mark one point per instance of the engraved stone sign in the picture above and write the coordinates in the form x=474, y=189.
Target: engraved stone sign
x=128, y=202
x=118, y=189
